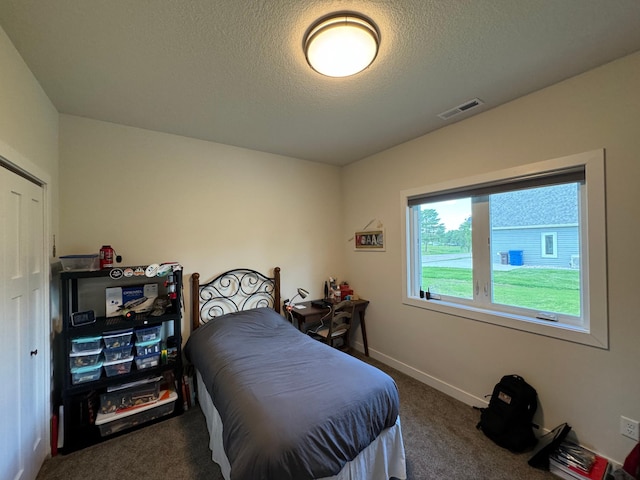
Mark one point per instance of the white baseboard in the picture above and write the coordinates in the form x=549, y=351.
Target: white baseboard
x=446, y=388
x=430, y=380
x=425, y=378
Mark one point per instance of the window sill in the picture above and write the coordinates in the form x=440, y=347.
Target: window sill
x=561, y=331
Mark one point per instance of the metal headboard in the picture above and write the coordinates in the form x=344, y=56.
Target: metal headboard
x=233, y=291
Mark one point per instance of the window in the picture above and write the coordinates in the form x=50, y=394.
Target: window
x=523, y=248
x=549, y=245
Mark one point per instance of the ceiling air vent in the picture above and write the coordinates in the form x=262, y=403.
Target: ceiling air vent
x=471, y=104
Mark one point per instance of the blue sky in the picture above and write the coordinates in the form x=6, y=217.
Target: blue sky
x=452, y=212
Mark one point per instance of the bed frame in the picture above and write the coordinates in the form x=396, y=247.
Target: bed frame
x=245, y=289
x=233, y=291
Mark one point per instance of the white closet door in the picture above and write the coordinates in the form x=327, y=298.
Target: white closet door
x=23, y=391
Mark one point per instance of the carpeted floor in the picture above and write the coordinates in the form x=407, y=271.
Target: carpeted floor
x=440, y=438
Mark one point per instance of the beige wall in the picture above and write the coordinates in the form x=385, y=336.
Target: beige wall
x=28, y=124
x=587, y=387
x=156, y=197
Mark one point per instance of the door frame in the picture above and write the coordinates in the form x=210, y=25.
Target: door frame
x=17, y=163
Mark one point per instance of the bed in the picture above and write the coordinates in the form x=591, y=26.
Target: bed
x=278, y=404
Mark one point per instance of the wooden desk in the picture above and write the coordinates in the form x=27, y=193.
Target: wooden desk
x=311, y=314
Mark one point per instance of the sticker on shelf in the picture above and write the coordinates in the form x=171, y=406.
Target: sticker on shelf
x=152, y=270
x=115, y=273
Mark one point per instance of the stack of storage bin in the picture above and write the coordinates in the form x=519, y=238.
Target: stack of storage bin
x=117, y=352
x=129, y=404
x=85, y=359
x=110, y=423
x=148, y=347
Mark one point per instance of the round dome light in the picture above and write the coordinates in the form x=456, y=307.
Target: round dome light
x=341, y=45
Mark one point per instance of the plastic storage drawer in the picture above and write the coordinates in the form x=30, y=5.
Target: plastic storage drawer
x=86, y=374
x=119, y=338
x=118, y=353
x=111, y=423
x=130, y=395
x=119, y=367
x=83, y=344
x=148, y=334
x=147, y=348
x=148, y=361
x=88, y=358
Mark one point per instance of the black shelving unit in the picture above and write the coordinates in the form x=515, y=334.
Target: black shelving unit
x=85, y=290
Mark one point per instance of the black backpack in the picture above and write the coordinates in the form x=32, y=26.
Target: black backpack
x=508, y=418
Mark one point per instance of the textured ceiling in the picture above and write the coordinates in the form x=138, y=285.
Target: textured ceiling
x=233, y=71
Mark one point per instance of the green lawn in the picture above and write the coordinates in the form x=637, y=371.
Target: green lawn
x=442, y=249
x=543, y=289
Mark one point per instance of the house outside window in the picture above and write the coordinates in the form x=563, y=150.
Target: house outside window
x=502, y=248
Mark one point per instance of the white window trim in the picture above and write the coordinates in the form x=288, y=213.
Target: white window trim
x=543, y=244
x=592, y=259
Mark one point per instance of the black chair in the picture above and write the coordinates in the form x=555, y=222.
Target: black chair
x=336, y=332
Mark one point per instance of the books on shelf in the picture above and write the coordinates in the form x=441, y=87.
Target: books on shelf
x=573, y=462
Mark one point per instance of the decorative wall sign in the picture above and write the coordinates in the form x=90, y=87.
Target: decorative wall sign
x=371, y=240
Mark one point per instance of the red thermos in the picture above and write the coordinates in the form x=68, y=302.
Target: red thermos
x=106, y=257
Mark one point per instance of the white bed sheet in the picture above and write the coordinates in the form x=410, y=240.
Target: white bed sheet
x=383, y=458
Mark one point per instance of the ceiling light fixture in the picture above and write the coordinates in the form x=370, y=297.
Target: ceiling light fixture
x=341, y=45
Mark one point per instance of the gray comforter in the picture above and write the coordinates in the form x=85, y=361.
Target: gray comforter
x=291, y=407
